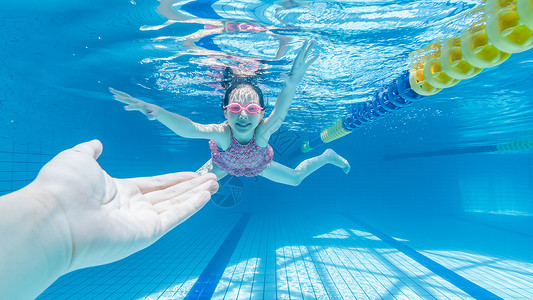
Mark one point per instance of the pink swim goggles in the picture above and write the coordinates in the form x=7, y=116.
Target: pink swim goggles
x=251, y=108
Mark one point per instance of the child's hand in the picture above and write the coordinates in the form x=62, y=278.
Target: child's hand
x=300, y=65
x=150, y=110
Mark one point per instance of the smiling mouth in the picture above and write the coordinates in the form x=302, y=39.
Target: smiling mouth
x=243, y=125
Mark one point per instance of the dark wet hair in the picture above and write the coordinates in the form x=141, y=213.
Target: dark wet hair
x=232, y=82
x=242, y=85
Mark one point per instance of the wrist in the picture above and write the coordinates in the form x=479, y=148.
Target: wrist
x=37, y=246
x=288, y=91
x=157, y=112
x=54, y=232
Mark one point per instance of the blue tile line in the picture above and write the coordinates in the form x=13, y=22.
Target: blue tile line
x=207, y=282
x=457, y=280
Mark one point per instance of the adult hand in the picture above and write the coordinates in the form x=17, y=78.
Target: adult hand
x=111, y=218
x=300, y=65
x=150, y=110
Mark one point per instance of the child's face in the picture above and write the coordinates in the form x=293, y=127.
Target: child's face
x=243, y=122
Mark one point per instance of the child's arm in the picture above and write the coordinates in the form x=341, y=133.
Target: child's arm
x=283, y=103
x=181, y=125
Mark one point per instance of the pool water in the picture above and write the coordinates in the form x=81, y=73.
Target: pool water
x=435, y=205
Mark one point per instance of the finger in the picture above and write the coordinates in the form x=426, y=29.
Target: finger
x=118, y=93
x=181, y=208
x=122, y=97
x=127, y=100
x=312, y=60
x=284, y=76
x=131, y=107
x=178, y=189
x=175, y=215
x=210, y=186
x=302, y=50
x=161, y=182
x=309, y=48
x=93, y=148
x=213, y=188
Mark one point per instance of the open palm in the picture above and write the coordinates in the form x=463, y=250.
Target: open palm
x=111, y=218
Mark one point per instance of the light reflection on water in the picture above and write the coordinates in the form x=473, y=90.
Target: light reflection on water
x=359, y=43
x=173, y=53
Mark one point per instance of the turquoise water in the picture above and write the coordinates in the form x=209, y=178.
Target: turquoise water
x=430, y=209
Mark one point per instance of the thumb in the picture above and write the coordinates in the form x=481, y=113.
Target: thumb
x=93, y=148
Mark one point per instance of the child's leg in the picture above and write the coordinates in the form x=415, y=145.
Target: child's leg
x=210, y=167
x=282, y=174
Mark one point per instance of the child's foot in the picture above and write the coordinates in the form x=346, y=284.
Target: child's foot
x=337, y=160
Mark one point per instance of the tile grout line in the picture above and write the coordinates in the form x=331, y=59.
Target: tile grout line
x=206, y=284
x=455, y=279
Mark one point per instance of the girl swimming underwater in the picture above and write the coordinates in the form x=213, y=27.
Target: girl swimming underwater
x=239, y=146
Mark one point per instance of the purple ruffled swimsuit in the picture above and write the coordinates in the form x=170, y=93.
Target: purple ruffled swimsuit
x=248, y=160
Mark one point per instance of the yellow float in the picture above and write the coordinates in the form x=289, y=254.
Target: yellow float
x=505, y=29
x=525, y=11
x=500, y=27
x=453, y=63
x=334, y=132
x=433, y=72
x=418, y=82
x=478, y=50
